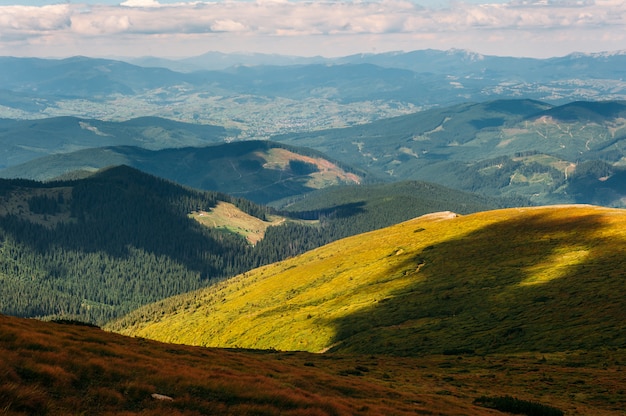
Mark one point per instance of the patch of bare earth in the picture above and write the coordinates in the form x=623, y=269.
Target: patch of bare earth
x=328, y=173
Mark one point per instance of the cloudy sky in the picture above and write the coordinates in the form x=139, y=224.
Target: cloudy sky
x=179, y=28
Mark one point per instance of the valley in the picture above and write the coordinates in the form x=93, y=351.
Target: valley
x=95, y=248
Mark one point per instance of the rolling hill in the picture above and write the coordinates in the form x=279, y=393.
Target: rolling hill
x=94, y=248
x=523, y=149
x=97, y=247
x=498, y=148
x=25, y=140
x=545, y=280
x=260, y=171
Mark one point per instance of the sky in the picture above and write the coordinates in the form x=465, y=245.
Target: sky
x=182, y=28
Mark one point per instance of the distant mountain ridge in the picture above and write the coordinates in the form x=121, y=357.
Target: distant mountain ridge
x=427, y=60
x=500, y=148
x=261, y=171
x=265, y=95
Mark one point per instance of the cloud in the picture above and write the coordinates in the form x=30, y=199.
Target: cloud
x=227, y=25
x=141, y=3
x=278, y=19
x=30, y=19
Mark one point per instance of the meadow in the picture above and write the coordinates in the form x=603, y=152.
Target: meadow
x=542, y=279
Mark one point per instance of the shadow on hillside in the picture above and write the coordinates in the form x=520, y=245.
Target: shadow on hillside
x=503, y=288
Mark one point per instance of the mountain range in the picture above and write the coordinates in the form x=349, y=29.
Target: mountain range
x=260, y=171
x=522, y=149
x=508, y=311
x=270, y=95
x=431, y=232
x=549, y=154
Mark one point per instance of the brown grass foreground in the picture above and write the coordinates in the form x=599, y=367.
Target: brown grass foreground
x=60, y=369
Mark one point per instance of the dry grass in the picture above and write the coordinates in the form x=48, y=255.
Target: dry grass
x=16, y=203
x=230, y=218
x=55, y=369
x=328, y=173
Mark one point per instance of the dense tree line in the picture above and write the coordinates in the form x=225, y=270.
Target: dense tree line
x=495, y=174
x=130, y=241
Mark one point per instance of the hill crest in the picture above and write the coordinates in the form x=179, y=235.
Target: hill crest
x=258, y=170
x=509, y=280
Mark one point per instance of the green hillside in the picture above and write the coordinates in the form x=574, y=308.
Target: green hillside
x=350, y=210
x=100, y=246
x=500, y=148
x=523, y=148
x=260, y=171
x=546, y=279
x=25, y=140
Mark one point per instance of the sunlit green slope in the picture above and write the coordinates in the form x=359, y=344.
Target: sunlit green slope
x=525, y=279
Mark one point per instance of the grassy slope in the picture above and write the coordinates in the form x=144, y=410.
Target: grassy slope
x=55, y=369
x=527, y=279
x=228, y=217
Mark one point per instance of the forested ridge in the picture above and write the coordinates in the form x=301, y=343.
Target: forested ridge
x=125, y=240
x=96, y=248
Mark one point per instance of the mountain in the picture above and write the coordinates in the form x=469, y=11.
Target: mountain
x=512, y=281
x=59, y=369
x=80, y=76
x=523, y=149
x=97, y=247
x=215, y=61
x=260, y=171
x=24, y=140
x=467, y=64
x=500, y=148
x=453, y=62
x=94, y=248
x=264, y=95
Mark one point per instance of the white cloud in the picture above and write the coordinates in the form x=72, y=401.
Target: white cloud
x=141, y=3
x=32, y=19
x=227, y=25
x=251, y=24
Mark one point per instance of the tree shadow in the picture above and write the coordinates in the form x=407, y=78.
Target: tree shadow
x=543, y=282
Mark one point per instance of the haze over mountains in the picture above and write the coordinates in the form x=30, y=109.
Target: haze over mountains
x=375, y=210
x=262, y=100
